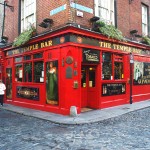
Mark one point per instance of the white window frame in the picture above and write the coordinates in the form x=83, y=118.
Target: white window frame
x=144, y=20
x=107, y=7
x=28, y=11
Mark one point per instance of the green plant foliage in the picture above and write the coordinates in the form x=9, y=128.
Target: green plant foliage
x=146, y=40
x=24, y=37
x=28, y=68
x=110, y=31
x=38, y=67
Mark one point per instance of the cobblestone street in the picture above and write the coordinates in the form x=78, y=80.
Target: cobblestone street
x=127, y=132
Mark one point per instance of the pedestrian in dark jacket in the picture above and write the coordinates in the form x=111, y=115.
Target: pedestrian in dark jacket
x=2, y=91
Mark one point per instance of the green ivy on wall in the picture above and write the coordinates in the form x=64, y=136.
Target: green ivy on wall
x=24, y=37
x=110, y=31
x=146, y=40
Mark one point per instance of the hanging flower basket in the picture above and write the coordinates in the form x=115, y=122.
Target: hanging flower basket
x=24, y=37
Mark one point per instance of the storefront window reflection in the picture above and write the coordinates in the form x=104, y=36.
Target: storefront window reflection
x=91, y=77
x=107, y=66
x=83, y=77
x=118, y=70
x=52, y=82
x=9, y=83
x=18, y=72
x=118, y=67
x=38, y=71
x=28, y=72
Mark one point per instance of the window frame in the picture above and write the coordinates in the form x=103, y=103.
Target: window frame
x=110, y=19
x=24, y=14
x=145, y=14
x=23, y=62
x=112, y=61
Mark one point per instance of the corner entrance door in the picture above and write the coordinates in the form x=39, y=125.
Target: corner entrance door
x=88, y=86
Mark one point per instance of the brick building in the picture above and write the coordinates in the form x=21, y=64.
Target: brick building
x=68, y=62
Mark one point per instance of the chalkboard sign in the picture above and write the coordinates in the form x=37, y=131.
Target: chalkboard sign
x=113, y=89
x=91, y=56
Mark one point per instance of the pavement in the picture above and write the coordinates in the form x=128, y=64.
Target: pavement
x=83, y=118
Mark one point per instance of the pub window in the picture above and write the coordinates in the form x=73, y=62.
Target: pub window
x=38, y=71
x=91, y=77
x=38, y=55
x=28, y=57
x=118, y=66
x=18, y=59
x=83, y=77
x=18, y=72
x=107, y=66
x=28, y=72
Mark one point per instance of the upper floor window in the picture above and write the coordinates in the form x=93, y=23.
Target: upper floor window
x=105, y=10
x=144, y=20
x=28, y=14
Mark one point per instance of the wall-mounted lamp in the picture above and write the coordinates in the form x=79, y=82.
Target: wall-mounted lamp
x=46, y=23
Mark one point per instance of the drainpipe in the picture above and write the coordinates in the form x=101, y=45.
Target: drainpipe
x=131, y=76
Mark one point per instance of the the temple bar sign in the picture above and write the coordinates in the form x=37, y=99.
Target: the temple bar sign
x=91, y=56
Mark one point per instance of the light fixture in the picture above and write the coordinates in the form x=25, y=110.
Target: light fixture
x=46, y=23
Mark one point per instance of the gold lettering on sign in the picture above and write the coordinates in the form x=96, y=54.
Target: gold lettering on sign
x=120, y=47
x=46, y=44
x=42, y=45
x=105, y=44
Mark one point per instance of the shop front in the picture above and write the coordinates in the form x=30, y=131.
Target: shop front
x=76, y=67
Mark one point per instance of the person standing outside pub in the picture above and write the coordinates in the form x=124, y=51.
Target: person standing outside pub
x=2, y=92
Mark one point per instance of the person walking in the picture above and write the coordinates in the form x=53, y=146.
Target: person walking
x=2, y=89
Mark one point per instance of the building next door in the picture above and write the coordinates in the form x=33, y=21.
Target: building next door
x=88, y=86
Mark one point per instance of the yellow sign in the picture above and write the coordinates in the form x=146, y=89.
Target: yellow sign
x=124, y=48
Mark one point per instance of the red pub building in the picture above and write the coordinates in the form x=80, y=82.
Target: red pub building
x=68, y=64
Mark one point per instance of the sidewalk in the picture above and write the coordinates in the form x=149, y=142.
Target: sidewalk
x=86, y=117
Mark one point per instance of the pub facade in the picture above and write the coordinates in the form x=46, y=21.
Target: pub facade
x=78, y=68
